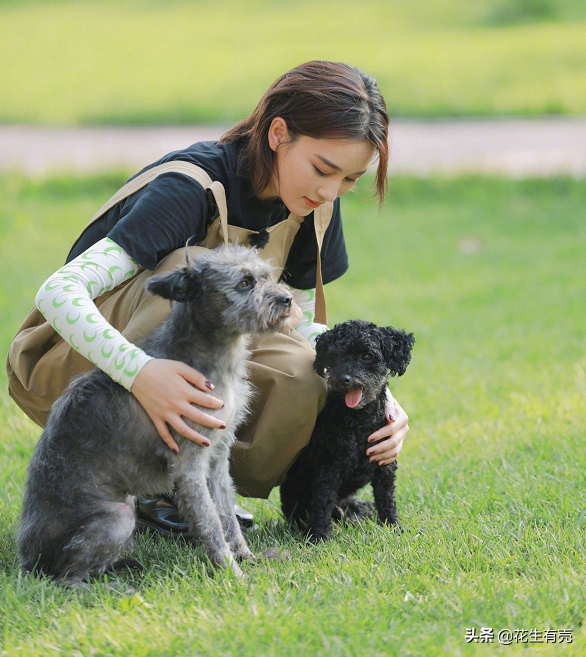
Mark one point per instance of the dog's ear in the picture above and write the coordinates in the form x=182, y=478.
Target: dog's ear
x=396, y=346
x=181, y=285
x=322, y=342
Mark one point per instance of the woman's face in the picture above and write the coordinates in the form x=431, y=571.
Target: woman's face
x=313, y=171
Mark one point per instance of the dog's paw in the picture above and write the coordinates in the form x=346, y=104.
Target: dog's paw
x=122, y=588
x=274, y=554
x=394, y=524
x=243, y=554
x=354, y=510
x=237, y=571
x=128, y=563
x=227, y=560
x=316, y=536
x=72, y=585
x=115, y=587
x=337, y=513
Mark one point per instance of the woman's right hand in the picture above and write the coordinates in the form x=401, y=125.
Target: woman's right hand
x=164, y=389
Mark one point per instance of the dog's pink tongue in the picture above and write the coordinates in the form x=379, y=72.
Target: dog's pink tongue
x=353, y=397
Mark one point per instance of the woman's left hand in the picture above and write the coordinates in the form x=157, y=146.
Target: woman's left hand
x=396, y=428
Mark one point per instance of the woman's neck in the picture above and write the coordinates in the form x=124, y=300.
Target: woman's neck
x=269, y=194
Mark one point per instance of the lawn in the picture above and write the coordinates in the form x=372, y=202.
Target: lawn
x=146, y=61
x=490, y=275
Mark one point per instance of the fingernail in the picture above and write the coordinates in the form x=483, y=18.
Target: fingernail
x=370, y=439
x=372, y=459
x=222, y=426
x=391, y=417
x=369, y=451
x=209, y=385
x=206, y=443
x=175, y=449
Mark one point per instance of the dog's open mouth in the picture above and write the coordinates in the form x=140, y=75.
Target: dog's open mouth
x=353, y=397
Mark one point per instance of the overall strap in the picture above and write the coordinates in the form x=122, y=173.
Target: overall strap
x=322, y=215
x=321, y=220
x=176, y=166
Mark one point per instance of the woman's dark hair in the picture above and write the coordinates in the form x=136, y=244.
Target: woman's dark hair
x=323, y=100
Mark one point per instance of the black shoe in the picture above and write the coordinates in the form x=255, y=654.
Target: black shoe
x=164, y=518
x=245, y=518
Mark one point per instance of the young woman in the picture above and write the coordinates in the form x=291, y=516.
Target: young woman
x=283, y=171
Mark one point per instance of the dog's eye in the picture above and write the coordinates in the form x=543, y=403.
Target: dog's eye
x=244, y=284
x=367, y=357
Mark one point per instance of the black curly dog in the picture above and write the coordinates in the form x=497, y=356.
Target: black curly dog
x=355, y=359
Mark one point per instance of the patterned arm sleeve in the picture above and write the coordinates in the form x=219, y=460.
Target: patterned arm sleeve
x=307, y=326
x=66, y=301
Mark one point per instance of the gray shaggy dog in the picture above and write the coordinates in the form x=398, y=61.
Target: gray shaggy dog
x=99, y=446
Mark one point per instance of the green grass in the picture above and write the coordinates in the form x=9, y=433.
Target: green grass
x=492, y=479
x=142, y=61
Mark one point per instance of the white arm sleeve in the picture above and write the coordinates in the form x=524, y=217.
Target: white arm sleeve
x=307, y=326
x=66, y=301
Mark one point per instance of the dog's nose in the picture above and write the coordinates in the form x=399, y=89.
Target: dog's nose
x=346, y=379
x=285, y=300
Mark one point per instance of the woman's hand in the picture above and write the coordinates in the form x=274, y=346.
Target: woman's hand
x=397, y=427
x=164, y=389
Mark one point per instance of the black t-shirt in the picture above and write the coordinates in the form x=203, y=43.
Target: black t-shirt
x=162, y=216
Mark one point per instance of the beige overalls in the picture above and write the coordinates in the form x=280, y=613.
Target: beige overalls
x=290, y=394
